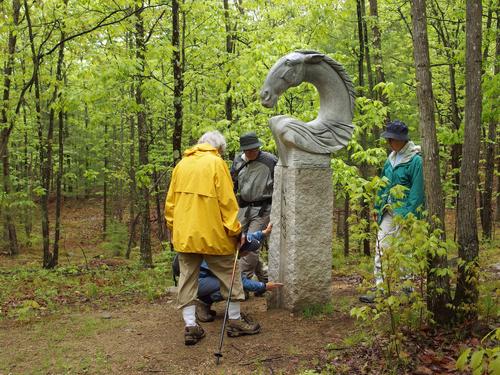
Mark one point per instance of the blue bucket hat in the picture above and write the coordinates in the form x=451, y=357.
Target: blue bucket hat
x=396, y=130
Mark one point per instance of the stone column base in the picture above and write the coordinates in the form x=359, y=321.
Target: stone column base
x=300, y=246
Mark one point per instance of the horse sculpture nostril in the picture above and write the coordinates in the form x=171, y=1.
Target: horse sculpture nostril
x=264, y=94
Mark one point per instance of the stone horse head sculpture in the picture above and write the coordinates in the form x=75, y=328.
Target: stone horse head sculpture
x=332, y=128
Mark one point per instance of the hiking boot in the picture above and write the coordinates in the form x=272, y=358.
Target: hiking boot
x=408, y=290
x=203, y=312
x=243, y=326
x=370, y=298
x=367, y=298
x=193, y=334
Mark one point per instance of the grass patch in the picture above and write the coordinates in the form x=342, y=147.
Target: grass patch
x=318, y=310
x=27, y=292
x=65, y=346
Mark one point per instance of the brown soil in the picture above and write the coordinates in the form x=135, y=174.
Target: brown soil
x=148, y=338
x=129, y=335
x=133, y=336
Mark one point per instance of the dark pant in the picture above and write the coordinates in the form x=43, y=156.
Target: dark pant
x=209, y=290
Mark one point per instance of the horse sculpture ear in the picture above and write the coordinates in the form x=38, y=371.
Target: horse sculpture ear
x=292, y=61
x=313, y=58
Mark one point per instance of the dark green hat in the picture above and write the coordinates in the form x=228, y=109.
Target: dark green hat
x=249, y=141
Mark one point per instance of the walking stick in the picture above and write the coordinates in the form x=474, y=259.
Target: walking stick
x=218, y=354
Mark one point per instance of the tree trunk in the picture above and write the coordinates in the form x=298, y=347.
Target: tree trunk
x=229, y=49
x=497, y=215
x=133, y=188
x=142, y=131
x=133, y=183
x=487, y=206
x=178, y=83
x=105, y=183
x=9, y=225
x=27, y=211
x=466, y=295
x=377, y=55
x=369, y=74
x=43, y=148
x=60, y=80
x=86, y=192
x=438, y=290
x=362, y=39
x=346, y=224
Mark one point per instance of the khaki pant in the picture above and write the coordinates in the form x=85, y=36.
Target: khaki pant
x=386, y=231
x=251, y=222
x=220, y=265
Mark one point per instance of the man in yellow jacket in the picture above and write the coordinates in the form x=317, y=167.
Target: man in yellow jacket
x=201, y=213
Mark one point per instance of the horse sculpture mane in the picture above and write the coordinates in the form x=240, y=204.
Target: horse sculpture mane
x=332, y=128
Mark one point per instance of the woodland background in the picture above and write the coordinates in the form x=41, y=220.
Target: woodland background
x=100, y=99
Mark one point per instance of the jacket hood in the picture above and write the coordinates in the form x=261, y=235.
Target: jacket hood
x=202, y=147
x=409, y=150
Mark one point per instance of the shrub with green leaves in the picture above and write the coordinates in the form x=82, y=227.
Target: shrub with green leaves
x=401, y=299
x=485, y=359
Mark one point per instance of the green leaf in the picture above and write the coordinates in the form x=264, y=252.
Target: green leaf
x=476, y=359
x=462, y=360
x=494, y=367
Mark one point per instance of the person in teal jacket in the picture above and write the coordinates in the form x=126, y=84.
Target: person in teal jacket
x=402, y=167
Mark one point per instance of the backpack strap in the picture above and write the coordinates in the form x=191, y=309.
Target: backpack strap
x=236, y=172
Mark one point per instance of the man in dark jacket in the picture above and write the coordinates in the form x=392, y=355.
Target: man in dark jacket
x=402, y=167
x=253, y=177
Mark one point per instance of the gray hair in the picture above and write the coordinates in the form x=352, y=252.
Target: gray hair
x=215, y=139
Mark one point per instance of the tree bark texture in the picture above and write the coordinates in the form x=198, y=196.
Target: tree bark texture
x=229, y=49
x=142, y=131
x=436, y=300
x=105, y=197
x=468, y=243
x=9, y=225
x=377, y=53
x=178, y=83
x=346, y=224
x=369, y=73
x=43, y=147
x=362, y=39
x=490, y=145
x=60, y=81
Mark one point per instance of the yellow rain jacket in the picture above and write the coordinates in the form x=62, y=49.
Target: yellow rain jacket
x=201, y=208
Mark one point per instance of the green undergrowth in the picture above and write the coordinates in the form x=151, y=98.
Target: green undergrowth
x=27, y=292
x=62, y=355
x=318, y=310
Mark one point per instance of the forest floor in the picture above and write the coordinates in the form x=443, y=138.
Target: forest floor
x=99, y=314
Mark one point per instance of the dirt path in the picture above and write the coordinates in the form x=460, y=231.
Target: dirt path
x=147, y=338
x=130, y=336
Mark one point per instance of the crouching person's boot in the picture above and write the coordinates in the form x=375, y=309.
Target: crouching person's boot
x=204, y=313
x=193, y=334
x=243, y=326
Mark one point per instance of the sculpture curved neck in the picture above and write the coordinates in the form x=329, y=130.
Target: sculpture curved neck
x=335, y=103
